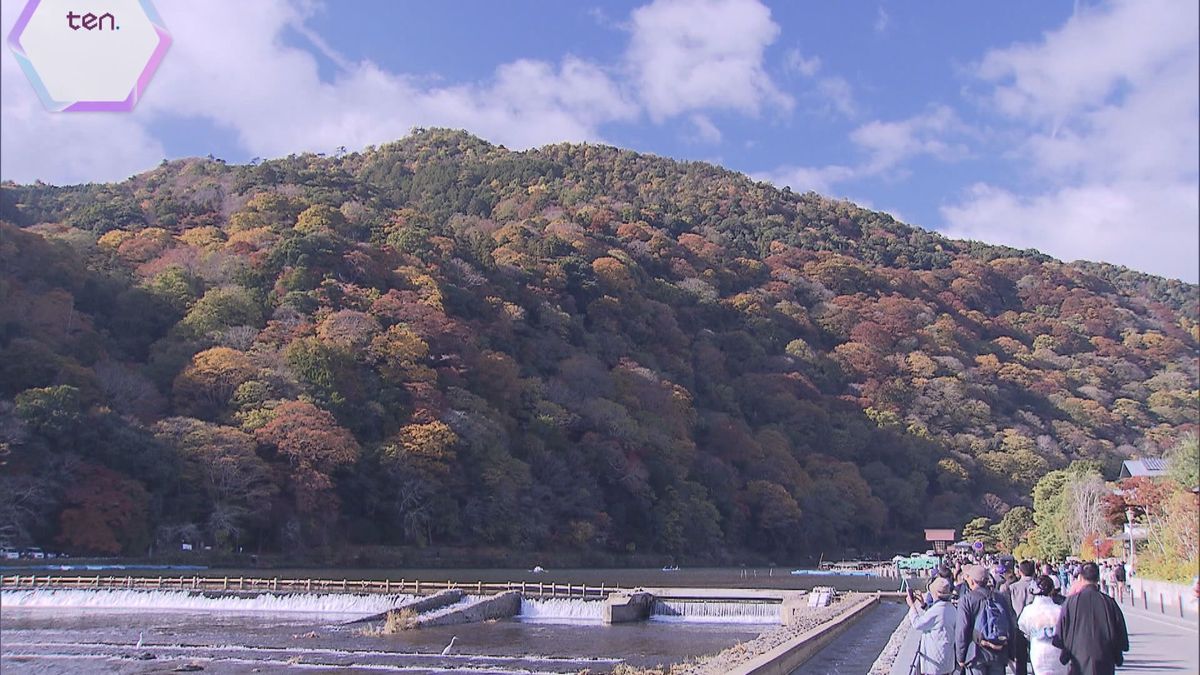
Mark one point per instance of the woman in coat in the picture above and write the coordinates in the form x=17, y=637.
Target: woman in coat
x=1037, y=621
x=936, y=623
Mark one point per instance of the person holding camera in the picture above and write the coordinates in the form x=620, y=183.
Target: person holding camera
x=936, y=623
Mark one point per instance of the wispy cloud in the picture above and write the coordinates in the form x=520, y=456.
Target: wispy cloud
x=1109, y=121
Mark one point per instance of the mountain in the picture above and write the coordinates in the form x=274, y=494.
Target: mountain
x=440, y=341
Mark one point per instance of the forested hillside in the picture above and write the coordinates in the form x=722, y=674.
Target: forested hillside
x=440, y=341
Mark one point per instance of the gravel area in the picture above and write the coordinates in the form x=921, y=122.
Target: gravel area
x=883, y=664
x=723, y=662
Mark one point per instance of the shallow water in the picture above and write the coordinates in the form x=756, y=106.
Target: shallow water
x=61, y=639
x=853, y=652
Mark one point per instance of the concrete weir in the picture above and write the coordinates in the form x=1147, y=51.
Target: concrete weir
x=499, y=606
x=418, y=606
x=628, y=607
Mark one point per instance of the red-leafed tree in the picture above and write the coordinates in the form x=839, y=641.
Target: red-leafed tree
x=105, y=513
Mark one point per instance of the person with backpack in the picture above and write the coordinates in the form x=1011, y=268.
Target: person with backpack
x=1038, y=622
x=983, y=628
x=1122, y=580
x=1091, y=630
x=1019, y=595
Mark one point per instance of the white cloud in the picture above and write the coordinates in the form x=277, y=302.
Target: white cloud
x=889, y=144
x=882, y=20
x=808, y=178
x=705, y=130
x=796, y=62
x=886, y=146
x=833, y=91
x=1107, y=110
x=1136, y=225
x=693, y=54
x=86, y=146
x=271, y=97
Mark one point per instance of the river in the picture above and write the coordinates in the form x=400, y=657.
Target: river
x=97, y=631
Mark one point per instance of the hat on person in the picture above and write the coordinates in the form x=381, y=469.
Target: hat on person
x=978, y=574
x=940, y=588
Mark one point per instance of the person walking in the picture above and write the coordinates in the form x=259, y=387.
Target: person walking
x=983, y=628
x=1019, y=595
x=936, y=623
x=1037, y=622
x=1122, y=580
x=1091, y=629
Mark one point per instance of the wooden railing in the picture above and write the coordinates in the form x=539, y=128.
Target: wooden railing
x=281, y=585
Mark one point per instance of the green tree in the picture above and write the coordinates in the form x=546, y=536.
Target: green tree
x=979, y=529
x=1183, y=462
x=1015, y=524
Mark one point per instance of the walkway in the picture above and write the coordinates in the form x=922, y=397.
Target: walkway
x=1158, y=644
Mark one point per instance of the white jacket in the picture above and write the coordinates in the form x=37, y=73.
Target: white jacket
x=1037, y=622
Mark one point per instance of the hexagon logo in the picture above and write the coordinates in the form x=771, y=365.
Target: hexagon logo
x=89, y=55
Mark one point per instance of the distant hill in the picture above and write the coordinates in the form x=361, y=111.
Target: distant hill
x=576, y=348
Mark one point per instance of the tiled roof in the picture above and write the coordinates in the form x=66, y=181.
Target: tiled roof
x=1149, y=466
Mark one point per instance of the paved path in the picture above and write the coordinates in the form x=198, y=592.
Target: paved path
x=1160, y=645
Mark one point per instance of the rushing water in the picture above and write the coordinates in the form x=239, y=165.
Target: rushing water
x=98, y=631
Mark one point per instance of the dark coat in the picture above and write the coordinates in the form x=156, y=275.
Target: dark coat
x=1091, y=633
x=966, y=648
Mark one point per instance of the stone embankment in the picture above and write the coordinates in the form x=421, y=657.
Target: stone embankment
x=807, y=631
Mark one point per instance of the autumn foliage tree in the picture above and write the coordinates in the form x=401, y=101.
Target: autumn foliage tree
x=313, y=446
x=104, y=513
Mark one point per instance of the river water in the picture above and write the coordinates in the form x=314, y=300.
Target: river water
x=98, y=631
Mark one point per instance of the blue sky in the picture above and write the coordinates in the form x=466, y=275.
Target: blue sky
x=1069, y=127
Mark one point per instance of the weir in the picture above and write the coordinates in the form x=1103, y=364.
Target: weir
x=418, y=606
x=473, y=610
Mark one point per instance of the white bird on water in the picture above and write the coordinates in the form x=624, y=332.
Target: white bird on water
x=140, y=637
x=446, y=651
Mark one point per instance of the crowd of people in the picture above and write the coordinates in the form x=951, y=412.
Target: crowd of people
x=994, y=616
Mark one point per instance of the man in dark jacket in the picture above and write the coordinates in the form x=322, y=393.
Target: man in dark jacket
x=1091, y=630
x=1019, y=596
x=974, y=657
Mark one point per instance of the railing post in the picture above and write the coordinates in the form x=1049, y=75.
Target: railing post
x=479, y=588
x=416, y=587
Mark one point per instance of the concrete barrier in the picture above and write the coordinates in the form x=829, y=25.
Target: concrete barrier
x=499, y=606
x=1163, y=597
x=628, y=607
x=418, y=606
x=789, y=656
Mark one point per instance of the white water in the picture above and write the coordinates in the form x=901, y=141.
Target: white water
x=714, y=612
x=306, y=603
x=562, y=611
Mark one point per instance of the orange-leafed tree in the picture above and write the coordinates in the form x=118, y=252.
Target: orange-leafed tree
x=204, y=387
x=313, y=445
